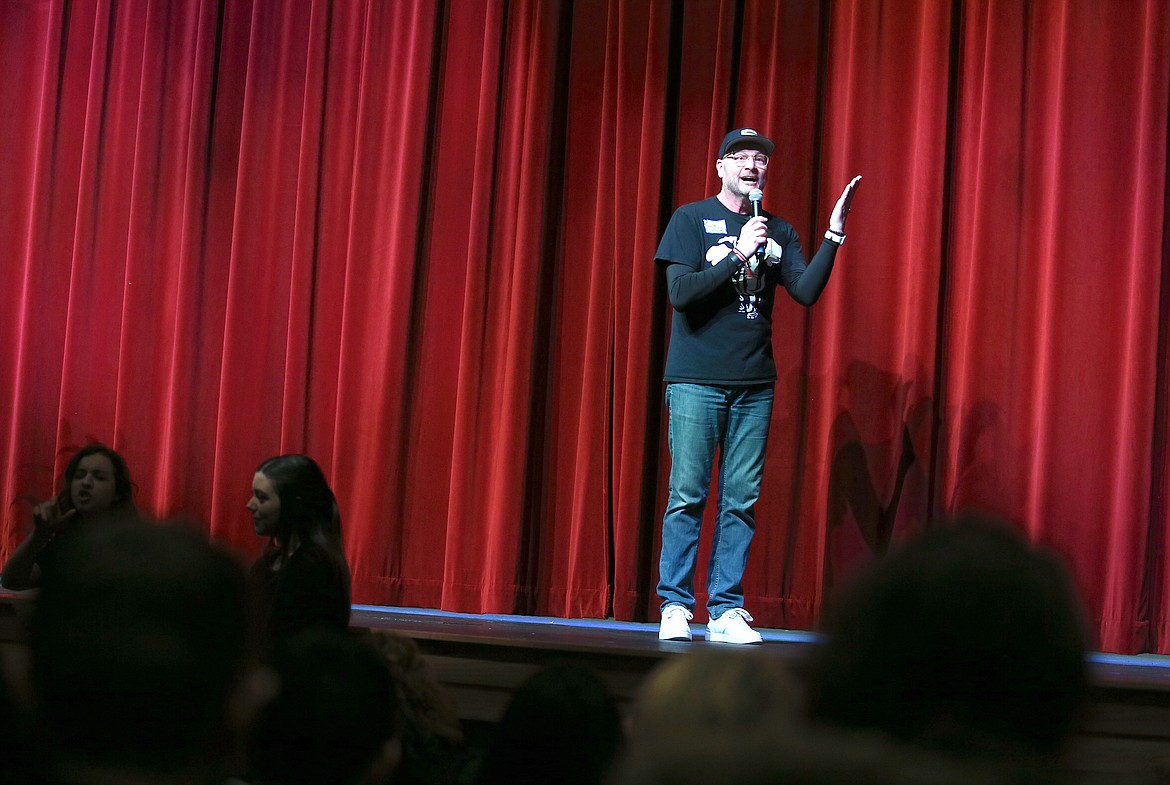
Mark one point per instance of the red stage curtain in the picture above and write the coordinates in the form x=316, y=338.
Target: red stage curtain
x=414, y=239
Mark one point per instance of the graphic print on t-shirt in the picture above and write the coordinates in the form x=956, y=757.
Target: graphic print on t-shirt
x=748, y=280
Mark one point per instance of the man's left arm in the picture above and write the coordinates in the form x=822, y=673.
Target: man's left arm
x=805, y=283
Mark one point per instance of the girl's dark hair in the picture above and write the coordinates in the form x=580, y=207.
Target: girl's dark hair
x=123, y=488
x=308, y=508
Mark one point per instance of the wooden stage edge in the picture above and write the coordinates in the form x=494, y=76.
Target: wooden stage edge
x=538, y=639
x=481, y=659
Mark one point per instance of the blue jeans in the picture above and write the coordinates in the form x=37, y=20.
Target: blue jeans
x=704, y=417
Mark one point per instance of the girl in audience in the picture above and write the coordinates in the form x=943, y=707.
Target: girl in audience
x=301, y=580
x=97, y=488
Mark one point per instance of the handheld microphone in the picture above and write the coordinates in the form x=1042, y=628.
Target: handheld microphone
x=755, y=196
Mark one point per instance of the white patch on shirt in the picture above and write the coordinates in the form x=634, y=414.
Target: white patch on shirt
x=714, y=227
x=718, y=252
x=772, y=252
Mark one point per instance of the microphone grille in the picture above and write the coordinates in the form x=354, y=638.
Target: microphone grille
x=755, y=195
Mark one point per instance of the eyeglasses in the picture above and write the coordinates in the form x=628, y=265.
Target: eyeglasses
x=743, y=159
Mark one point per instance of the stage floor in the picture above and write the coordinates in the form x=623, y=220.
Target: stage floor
x=1145, y=671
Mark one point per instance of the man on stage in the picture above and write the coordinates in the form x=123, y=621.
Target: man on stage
x=724, y=257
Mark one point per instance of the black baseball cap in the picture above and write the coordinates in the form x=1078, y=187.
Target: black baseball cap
x=746, y=136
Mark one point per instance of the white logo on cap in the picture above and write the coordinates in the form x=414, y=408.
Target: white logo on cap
x=748, y=132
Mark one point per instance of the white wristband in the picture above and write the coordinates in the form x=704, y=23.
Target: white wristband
x=835, y=237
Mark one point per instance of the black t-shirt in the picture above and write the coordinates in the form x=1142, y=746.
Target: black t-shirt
x=721, y=331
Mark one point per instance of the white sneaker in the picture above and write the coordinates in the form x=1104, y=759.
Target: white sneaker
x=673, y=626
x=732, y=627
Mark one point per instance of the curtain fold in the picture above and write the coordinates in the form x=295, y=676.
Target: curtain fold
x=604, y=417
x=872, y=356
x=1052, y=356
x=415, y=240
x=626, y=235
x=377, y=156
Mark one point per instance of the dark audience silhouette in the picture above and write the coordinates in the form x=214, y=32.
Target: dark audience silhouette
x=139, y=666
x=561, y=725
x=434, y=748
x=967, y=640
x=334, y=720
